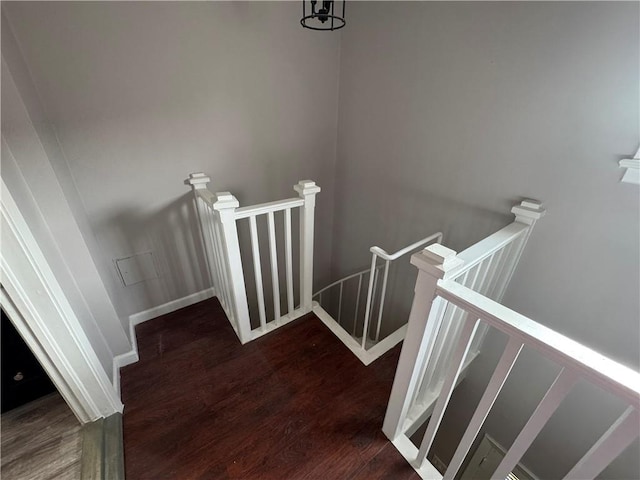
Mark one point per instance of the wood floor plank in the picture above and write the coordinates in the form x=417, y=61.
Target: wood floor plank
x=388, y=464
x=294, y=404
x=41, y=441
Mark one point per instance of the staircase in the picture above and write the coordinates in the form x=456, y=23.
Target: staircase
x=455, y=305
x=436, y=292
x=360, y=328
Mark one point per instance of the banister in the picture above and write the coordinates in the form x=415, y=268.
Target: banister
x=614, y=376
x=439, y=339
x=218, y=216
x=262, y=208
x=344, y=279
x=479, y=251
x=393, y=256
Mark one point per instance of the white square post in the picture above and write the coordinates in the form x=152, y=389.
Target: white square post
x=225, y=206
x=427, y=310
x=307, y=190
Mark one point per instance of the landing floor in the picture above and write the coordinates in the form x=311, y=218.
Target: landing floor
x=295, y=404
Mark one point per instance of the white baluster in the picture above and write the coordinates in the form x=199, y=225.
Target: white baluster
x=257, y=269
x=384, y=291
x=203, y=214
x=549, y=404
x=506, y=255
x=373, y=301
x=435, y=369
x=223, y=267
x=209, y=219
x=514, y=252
x=288, y=252
x=617, y=438
x=275, y=280
x=501, y=256
x=307, y=190
x=453, y=322
x=527, y=212
x=491, y=272
x=464, y=342
x=340, y=302
x=199, y=181
x=355, y=315
x=370, y=295
x=500, y=374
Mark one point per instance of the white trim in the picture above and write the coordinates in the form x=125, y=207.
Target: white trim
x=38, y=307
x=410, y=453
x=632, y=172
x=131, y=356
x=610, y=375
x=275, y=324
x=172, y=306
x=365, y=356
x=123, y=360
x=255, y=210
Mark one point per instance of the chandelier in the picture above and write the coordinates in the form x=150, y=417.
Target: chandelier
x=324, y=16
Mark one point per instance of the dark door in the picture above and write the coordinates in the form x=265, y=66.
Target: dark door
x=23, y=379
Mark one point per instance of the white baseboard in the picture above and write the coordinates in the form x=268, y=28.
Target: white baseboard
x=131, y=356
x=122, y=361
x=365, y=356
x=172, y=306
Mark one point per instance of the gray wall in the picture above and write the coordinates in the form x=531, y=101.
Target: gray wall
x=451, y=112
x=142, y=94
x=28, y=173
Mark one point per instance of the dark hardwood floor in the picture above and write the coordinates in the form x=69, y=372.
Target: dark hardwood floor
x=295, y=404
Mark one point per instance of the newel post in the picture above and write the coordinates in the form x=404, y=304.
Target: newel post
x=434, y=263
x=225, y=206
x=307, y=190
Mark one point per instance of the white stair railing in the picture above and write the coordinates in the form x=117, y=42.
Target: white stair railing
x=359, y=338
x=486, y=267
x=377, y=252
x=219, y=214
x=435, y=291
x=340, y=284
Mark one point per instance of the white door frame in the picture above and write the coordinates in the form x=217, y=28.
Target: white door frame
x=37, y=306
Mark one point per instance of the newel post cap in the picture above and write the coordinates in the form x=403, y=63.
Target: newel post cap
x=528, y=211
x=225, y=201
x=436, y=260
x=306, y=187
x=197, y=180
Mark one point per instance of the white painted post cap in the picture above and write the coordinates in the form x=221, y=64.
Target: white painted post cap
x=436, y=259
x=306, y=187
x=224, y=201
x=529, y=209
x=197, y=180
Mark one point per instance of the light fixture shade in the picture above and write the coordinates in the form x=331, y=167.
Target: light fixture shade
x=323, y=14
